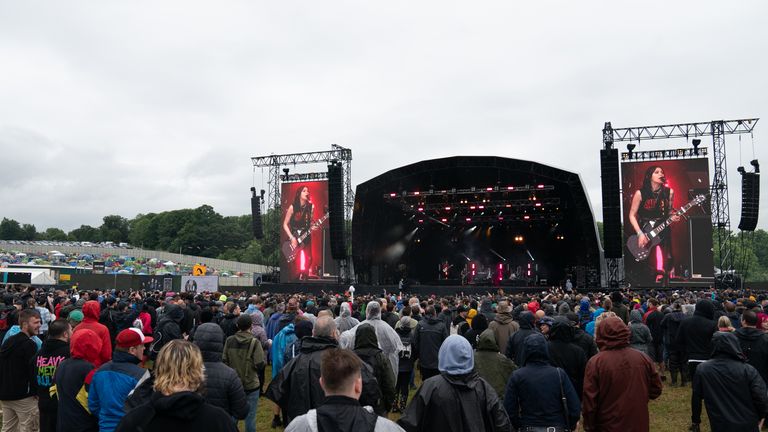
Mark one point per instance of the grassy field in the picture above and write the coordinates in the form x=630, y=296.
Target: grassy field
x=670, y=412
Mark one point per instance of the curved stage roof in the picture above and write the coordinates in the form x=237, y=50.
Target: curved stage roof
x=503, y=216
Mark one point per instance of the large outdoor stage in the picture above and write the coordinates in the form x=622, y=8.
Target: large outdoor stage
x=420, y=290
x=474, y=222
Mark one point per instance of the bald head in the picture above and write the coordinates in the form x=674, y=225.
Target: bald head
x=325, y=326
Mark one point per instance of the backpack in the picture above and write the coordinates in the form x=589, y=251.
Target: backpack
x=405, y=354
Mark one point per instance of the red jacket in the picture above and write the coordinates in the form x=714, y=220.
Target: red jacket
x=618, y=382
x=91, y=311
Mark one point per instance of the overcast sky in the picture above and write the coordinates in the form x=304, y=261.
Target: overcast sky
x=145, y=106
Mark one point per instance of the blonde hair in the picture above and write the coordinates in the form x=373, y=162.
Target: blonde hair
x=603, y=316
x=725, y=323
x=179, y=367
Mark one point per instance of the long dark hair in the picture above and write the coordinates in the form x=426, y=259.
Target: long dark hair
x=646, y=189
x=297, y=197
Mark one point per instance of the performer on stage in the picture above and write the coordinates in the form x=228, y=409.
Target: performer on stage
x=297, y=221
x=653, y=204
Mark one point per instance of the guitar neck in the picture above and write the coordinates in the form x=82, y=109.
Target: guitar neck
x=661, y=227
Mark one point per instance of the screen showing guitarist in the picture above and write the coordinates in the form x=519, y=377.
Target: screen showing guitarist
x=653, y=204
x=298, y=221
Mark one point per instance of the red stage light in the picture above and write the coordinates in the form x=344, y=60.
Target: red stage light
x=444, y=220
x=421, y=220
x=510, y=188
x=526, y=217
x=421, y=208
x=540, y=186
x=447, y=208
x=393, y=194
x=416, y=193
x=500, y=266
x=489, y=189
x=469, y=219
x=472, y=207
x=481, y=207
x=538, y=204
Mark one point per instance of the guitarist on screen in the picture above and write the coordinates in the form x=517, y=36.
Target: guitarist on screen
x=297, y=221
x=653, y=204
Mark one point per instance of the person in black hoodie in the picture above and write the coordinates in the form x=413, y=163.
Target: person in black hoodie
x=733, y=391
x=515, y=343
x=55, y=350
x=428, y=335
x=695, y=335
x=223, y=387
x=367, y=348
x=670, y=326
x=342, y=384
x=754, y=343
x=405, y=365
x=168, y=328
x=17, y=376
x=565, y=354
x=535, y=392
x=176, y=403
x=229, y=322
x=295, y=387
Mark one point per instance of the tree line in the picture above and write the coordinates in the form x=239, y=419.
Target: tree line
x=204, y=232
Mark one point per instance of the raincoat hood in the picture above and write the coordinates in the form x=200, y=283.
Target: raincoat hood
x=174, y=312
x=535, y=349
x=85, y=344
x=366, y=337
x=455, y=356
x=562, y=330
x=487, y=341
x=705, y=308
x=612, y=333
x=91, y=310
x=636, y=316
x=479, y=324
x=346, y=310
x=526, y=320
x=373, y=311
x=726, y=345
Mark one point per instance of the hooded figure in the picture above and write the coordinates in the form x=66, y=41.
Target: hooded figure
x=732, y=390
x=367, y=348
x=641, y=335
x=345, y=321
x=695, y=335
x=91, y=310
x=490, y=364
x=223, y=387
x=585, y=315
x=669, y=327
x=73, y=378
x=389, y=341
x=257, y=327
x=479, y=325
x=612, y=374
x=565, y=353
x=533, y=395
x=515, y=343
x=457, y=399
x=168, y=329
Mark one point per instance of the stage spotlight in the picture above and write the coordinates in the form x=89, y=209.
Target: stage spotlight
x=630, y=149
x=741, y=170
x=755, y=164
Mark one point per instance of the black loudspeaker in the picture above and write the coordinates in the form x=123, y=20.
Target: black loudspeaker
x=336, y=211
x=258, y=231
x=609, y=174
x=750, y=201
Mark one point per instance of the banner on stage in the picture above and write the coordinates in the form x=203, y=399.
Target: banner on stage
x=198, y=284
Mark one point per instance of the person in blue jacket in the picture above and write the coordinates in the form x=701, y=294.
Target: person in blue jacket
x=114, y=380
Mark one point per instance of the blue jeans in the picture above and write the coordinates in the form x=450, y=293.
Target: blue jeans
x=253, y=405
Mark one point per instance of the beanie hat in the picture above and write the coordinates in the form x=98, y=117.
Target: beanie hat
x=455, y=356
x=76, y=315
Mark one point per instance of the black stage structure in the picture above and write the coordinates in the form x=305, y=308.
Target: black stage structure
x=475, y=221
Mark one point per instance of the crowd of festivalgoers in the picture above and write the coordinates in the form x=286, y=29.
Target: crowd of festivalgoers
x=549, y=361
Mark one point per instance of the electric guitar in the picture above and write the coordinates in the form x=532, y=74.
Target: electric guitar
x=652, y=231
x=289, y=252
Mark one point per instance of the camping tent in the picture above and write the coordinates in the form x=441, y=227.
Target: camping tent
x=38, y=277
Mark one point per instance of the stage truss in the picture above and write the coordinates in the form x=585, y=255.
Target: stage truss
x=717, y=129
x=276, y=163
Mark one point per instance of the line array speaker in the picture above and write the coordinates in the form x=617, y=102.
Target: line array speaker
x=336, y=210
x=750, y=201
x=609, y=174
x=258, y=230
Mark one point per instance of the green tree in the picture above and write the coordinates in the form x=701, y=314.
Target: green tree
x=55, y=234
x=85, y=233
x=10, y=230
x=28, y=232
x=115, y=228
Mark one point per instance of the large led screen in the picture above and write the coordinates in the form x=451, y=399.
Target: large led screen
x=304, y=232
x=667, y=222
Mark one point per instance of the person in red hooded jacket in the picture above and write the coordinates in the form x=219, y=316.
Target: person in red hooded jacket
x=618, y=399
x=73, y=378
x=91, y=312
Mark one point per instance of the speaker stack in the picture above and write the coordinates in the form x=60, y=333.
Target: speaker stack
x=336, y=210
x=258, y=230
x=609, y=174
x=750, y=200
